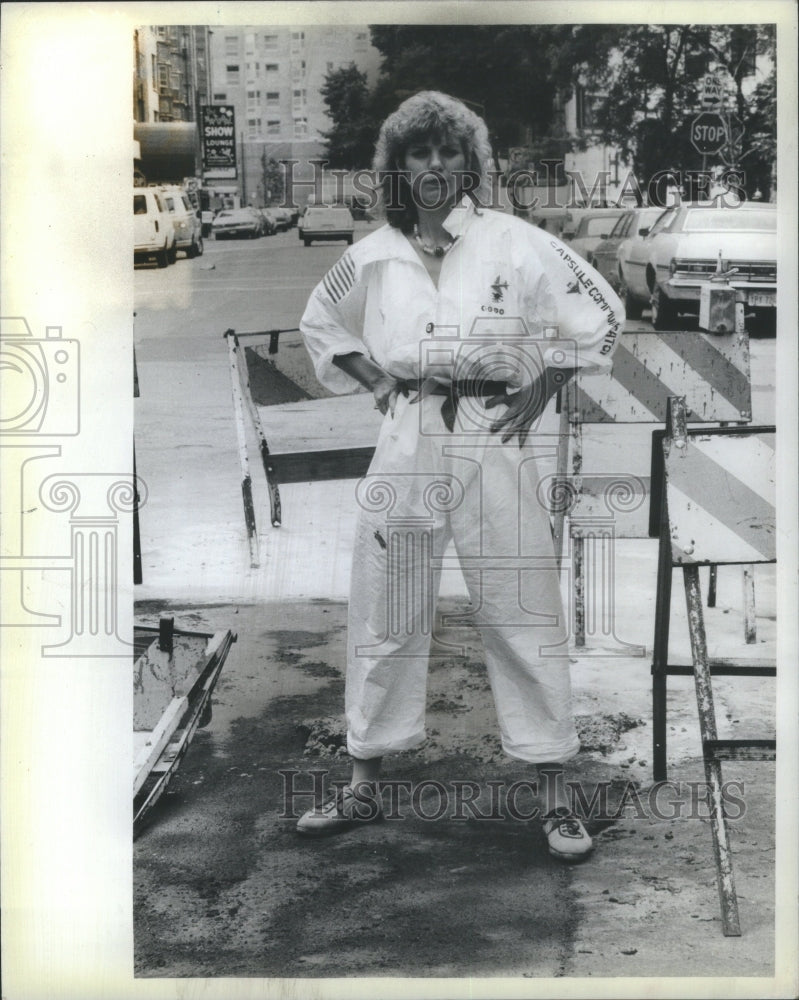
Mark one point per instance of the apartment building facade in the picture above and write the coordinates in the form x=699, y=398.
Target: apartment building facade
x=273, y=77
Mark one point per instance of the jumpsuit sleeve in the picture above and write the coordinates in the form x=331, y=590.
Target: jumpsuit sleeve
x=562, y=290
x=332, y=323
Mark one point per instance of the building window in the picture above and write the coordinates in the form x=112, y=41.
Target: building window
x=271, y=67
x=220, y=97
x=360, y=41
x=163, y=78
x=330, y=67
x=586, y=109
x=270, y=41
x=273, y=98
x=252, y=94
x=297, y=41
x=273, y=126
x=232, y=74
x=231, y=45
x=299, y=100
x=300, y=128
x=253, y=128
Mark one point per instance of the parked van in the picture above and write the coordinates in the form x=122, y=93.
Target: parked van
x=185, y=220
x=319, y=223
x=153, y=232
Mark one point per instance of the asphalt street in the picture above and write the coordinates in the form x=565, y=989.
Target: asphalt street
x=222, y=885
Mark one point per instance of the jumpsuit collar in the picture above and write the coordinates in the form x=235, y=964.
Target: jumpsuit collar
x=394, y=244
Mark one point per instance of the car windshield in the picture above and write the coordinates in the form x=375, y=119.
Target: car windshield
x=597, y=226
x=621, y=225
x=706, y=220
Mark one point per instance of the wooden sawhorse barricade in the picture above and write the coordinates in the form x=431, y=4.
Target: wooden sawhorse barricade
x=715, y=491
x=711, y=371
x=336, y=440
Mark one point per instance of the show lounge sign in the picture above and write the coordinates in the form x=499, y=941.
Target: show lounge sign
x=219, y=141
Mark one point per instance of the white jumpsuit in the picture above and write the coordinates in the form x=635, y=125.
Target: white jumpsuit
x=510, y=297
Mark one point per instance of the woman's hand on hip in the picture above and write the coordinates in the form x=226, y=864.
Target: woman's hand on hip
x=527, y=405
x=386, y=392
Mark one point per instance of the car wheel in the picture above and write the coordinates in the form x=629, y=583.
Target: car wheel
x=200, y=247
x=173, y=253
x=162, y=257
x=306, y=243
x=349, y=241
x=664, y=314
x=632, y=307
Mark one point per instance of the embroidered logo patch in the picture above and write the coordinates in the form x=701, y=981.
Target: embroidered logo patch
x=497, y=288
x=340, y=278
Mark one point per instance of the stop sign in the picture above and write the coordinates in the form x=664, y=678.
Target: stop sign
x=709, y=132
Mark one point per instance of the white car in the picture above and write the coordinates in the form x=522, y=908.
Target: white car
x=320, y=223
x=592, y=229
x=688, y=244
x=186, y=222
x=153, y=232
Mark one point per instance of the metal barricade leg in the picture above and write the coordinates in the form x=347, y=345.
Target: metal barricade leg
x=578, y=568
x=707, y=726
x=660, y=656
x=711, y=586
x=750, y=626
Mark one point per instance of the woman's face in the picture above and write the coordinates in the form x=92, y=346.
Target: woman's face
x=433, y=164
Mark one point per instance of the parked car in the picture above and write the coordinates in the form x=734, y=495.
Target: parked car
x=153, y=232
x=592, y=229
x=574, y=216
x=604, y=256
x=687, y=245
x=244, y=222
x=270, y=226
x=319, y=223
x=283, y=217
x=550, y=218
x=185, y=219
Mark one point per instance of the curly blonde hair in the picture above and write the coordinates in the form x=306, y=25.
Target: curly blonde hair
x=429, y=113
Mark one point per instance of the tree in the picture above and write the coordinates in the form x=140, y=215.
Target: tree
x=273, y=179
x=351, y=140
x=647, y=79
x=505, y=72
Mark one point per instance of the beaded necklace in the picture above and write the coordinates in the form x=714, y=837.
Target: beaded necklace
x=437, y=251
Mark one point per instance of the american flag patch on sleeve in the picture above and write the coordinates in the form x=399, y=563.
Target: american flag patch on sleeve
x=340, y=278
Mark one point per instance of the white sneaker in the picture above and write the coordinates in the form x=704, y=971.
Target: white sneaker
x=342, y=809
x=566, y=835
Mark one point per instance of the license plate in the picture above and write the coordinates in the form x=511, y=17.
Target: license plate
x=767, y=299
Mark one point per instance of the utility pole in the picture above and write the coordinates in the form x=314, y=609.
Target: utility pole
x=243, y=174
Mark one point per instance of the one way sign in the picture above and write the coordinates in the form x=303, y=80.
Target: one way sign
x=712, y=92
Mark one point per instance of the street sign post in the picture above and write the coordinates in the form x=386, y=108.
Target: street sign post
x=709, y=133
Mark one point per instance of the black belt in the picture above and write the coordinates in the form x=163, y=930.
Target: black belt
x=453, y=392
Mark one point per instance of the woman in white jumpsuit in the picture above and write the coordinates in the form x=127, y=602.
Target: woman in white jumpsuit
x=463, y=322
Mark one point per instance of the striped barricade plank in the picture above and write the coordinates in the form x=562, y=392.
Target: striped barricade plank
x=710, y=371
x=721, y=499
